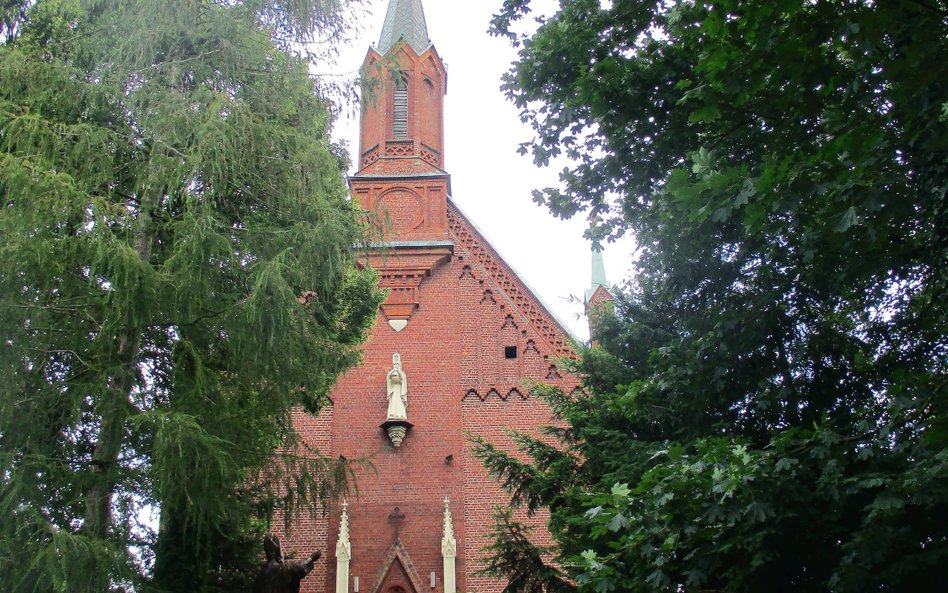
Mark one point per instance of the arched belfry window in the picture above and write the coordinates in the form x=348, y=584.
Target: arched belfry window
x=400, y=108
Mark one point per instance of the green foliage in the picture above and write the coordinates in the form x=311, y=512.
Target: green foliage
x=176, y=275
x=520, y=562
x=768, y=402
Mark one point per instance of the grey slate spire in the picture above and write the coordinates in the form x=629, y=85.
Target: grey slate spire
x=404, y=19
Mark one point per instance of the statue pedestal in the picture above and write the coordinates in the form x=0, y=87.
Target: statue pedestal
x=396, y=430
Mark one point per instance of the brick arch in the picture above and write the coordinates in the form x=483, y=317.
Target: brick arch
x=398, y=572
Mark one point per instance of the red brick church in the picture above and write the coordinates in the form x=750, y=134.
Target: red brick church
x=452, y=354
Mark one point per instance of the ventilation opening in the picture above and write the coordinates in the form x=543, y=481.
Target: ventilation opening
x=400, y=111
x=510, y=352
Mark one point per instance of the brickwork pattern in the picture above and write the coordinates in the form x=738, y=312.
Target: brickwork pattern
x=311, y=533
x=475, y=340
x=370, y=156
x=399, y=166
x=493, y=419
x=411, y=208
x=430, y=155
x=461, y=381
x=488, y=259
x=381, y=153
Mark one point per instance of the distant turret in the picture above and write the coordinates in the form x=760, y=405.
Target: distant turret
x=598, y=299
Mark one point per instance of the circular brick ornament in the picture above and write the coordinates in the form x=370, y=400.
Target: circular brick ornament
x=402, y=208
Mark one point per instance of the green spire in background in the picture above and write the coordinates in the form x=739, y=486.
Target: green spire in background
x=598, y=273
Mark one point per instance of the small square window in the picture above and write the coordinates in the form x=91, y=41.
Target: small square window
x=510, y=352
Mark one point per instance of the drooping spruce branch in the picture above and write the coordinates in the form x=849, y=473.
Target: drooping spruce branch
x=169, y=193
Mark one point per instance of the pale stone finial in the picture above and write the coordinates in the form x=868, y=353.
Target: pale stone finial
x=343, y=546
x=343, y=551
x=449, y=550
x=448, y=542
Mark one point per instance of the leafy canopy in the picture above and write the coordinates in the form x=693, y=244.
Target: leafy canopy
x=176, y=275
x=767, y=407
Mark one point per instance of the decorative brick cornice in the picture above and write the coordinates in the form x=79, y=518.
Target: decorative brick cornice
x=493, y=265
x=508, y=393
x=402, y=269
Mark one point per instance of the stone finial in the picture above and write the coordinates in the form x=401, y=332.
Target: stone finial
x=449, y=550
x=343, y=546
x=343, y=551
x=448, y=542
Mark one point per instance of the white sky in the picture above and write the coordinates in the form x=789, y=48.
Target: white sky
x=491, y=183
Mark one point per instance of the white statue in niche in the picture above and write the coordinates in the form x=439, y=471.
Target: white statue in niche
x=397, y=384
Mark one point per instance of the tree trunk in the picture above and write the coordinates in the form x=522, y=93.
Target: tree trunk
x=114, y=408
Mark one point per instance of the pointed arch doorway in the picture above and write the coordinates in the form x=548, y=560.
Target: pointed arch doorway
x=397, y=573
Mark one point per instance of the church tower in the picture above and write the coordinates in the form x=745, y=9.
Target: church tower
x=455, y=347
x=400, y=179
x=598, y=300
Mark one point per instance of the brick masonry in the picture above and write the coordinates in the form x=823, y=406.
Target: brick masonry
x=475, y=340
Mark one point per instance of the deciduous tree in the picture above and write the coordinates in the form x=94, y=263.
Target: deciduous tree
x=767, y=409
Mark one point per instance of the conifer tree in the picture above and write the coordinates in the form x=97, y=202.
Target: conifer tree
x=176, y=275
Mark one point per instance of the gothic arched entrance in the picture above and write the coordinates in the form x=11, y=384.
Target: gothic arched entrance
x=397, y=573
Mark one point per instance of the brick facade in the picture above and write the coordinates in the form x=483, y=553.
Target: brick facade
x=471, y=337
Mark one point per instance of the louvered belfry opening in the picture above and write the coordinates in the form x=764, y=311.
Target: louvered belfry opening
x=400, y=110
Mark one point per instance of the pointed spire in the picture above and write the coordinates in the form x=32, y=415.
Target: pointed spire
x=405, y=19
x=598, y=298
x=598, y=273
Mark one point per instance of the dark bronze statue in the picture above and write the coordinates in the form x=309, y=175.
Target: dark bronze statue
x=280, y=574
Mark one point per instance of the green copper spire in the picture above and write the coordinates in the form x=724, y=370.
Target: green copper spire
x=405, y=19
x=598, y=274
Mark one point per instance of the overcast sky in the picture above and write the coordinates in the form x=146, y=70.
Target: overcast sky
x=490, y=182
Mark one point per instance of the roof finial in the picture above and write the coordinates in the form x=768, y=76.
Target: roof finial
x=449, y=545
x=405, y=19
x=343, y=546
